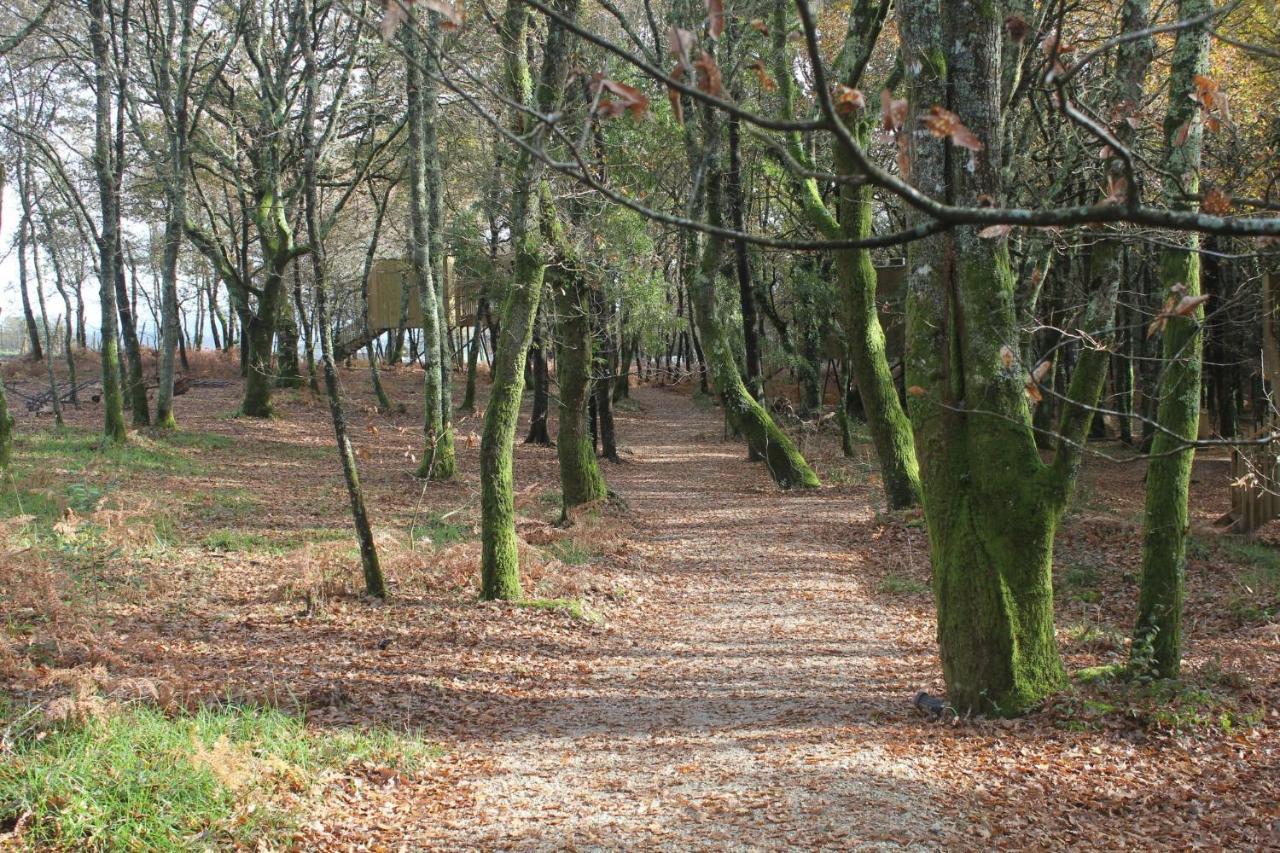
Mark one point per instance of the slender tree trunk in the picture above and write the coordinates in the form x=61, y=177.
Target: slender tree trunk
x=134, y=378
x=1157, y=640
x=6, y=419
x=785, y=463
x=375, y=584
x=500, y=569
x=379, y=213
x=746, y=299
x=112, y=398
x=33, y=330
x=886, y=419
x=55, y=397
x=473, y=356
x=437, y=455
x=287, y=373
x=602, y=381
x=538, y=363
x=308, y=341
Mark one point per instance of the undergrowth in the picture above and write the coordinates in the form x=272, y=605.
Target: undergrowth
x=136, y=778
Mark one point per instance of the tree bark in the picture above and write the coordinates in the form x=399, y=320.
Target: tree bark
x=500, y=568
x=990, y=501
x=375, y=583
x=112, y=398
x=1157, y=639
x=437, y=455
x=580, y=479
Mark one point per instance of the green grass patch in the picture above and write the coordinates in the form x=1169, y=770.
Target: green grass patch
x=224, y=504
x=899, y=585
x=575, y=608
x=439, y=532
x=1080, y=581
x=1102, y=697
x=192, y=439
x=570, y=553
x=1257, y=598
x=138, y=779
x=271, y=542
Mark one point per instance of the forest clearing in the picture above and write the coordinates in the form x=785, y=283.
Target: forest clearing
x=639, y=424
x=717, y=663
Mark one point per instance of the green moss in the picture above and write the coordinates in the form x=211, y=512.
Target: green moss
x=573, y=607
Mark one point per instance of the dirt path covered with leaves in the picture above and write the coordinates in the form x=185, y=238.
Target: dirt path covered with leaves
x=738, y=699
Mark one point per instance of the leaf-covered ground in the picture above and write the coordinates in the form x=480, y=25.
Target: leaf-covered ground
x=715, y=665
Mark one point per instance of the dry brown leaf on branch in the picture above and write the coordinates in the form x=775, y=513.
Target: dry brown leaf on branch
x=893, y=111
x=715, y=18
x=762, y=75
x=1187, y=305
x=847, y=99
x=625, y=98
x=708, y=74
x=673, y=94
x=451, y=16
x=681, y=42
x=992, y=232
x=1216, y=202
x=1035, y=377
x=396, y=12
x=943, y=123
x=1017, y=29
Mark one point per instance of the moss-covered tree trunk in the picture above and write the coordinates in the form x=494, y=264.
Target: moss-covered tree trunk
x=580, y=479
x=437, y=455
x=991, y=502
x=887, y=421
x=446, y=459
x=112, y=396
x=785, y=463
x=500, y=562
x=602, y=374
x=1157, y=642
x=473, y=357
x=6, y=431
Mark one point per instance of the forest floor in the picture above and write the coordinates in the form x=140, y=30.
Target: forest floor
x=714, y=665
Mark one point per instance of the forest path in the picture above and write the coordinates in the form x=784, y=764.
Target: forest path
x=740, y=702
